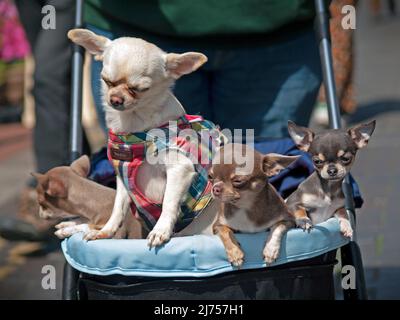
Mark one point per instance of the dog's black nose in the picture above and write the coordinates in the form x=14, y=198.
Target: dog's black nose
x=332, y=171
x=116, y=101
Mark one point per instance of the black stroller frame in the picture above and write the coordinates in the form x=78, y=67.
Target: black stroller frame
x=350, y=253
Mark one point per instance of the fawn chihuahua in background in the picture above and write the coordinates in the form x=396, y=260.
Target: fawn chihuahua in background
x=248, y=203
x=65, y=192
x=333, y=152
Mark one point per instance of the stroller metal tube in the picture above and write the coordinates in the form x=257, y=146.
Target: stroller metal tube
x=327, y=64
x=330, y=89
x=350, y=253
x=71, y=275
x=76, y=96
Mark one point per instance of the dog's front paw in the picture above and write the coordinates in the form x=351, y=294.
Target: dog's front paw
x=65, y=224
x=98, y=234
x=235, y=256
x=304, y=223
x=158, y=236
x=271, y=252
x=345, y=228
x=64, y=232
x=66, y=229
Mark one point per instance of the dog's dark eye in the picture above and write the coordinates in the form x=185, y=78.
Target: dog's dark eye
x=317, y=161
x=108, y=83
x=345, y=159
x=132, y=91
x=41, y=200
x=135, y=90
x=210, y=177
x=238, y=183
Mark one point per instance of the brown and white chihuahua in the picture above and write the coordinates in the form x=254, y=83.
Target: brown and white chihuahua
x=333, y=152
x=65, y=192
x=248, y=203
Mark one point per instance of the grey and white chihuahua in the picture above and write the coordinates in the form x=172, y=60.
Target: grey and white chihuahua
x=333, y=152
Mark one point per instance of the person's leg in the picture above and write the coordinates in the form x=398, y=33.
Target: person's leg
x=52, y=84
x=52, y=76
x=193, y=92
x=30, y=15
x=264, y=87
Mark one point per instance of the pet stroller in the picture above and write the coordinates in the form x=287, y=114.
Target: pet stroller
x=196, y=267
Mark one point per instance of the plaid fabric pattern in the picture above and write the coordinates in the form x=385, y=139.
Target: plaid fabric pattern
x=127, y=152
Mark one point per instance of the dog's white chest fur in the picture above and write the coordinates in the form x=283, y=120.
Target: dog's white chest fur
x=240, y=221
x=151, y=180
x=320, y=208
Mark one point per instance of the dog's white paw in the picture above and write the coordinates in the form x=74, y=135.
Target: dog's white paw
x=158, y=236
x=304, y=223
x=345, y=228
x=66, y=230
x=98, y=234
x=235, y=256
x=271, y=252
x=65, y=224
x=63, y=233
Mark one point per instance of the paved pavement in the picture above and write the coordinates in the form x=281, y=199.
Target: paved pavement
x=21, y=263
x=376, y=170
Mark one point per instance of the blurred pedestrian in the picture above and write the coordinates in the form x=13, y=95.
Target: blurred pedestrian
x=51, y=91
x=14, y=49
x=376, y=7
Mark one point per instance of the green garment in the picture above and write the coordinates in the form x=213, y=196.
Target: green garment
x=194, y=19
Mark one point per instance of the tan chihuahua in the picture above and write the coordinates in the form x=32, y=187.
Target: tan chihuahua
x=248, y=203
x=136, y=80
x=65, y=192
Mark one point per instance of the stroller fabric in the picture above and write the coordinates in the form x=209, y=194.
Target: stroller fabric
x=194, y=256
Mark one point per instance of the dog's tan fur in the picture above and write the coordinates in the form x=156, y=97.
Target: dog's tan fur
x=248, y=203
x=65, y=192
x=137, y=77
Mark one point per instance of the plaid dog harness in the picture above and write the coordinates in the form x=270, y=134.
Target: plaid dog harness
x=127, y=152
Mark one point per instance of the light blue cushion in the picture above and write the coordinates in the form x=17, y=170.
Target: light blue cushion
x=194, y=256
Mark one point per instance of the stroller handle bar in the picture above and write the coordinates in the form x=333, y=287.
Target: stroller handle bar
x=76, y=93
x=322, y=29
x=323, y=34
x=350, y=253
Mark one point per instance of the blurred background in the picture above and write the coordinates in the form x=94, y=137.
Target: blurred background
x=368, y=68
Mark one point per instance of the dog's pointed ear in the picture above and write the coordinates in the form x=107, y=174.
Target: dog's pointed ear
x=43, y=179
x=301, y=136
x=274, y=163
x=177, y=65
x=92, y=42
x=81, y=166
x=362, y=133
x=56, y=188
